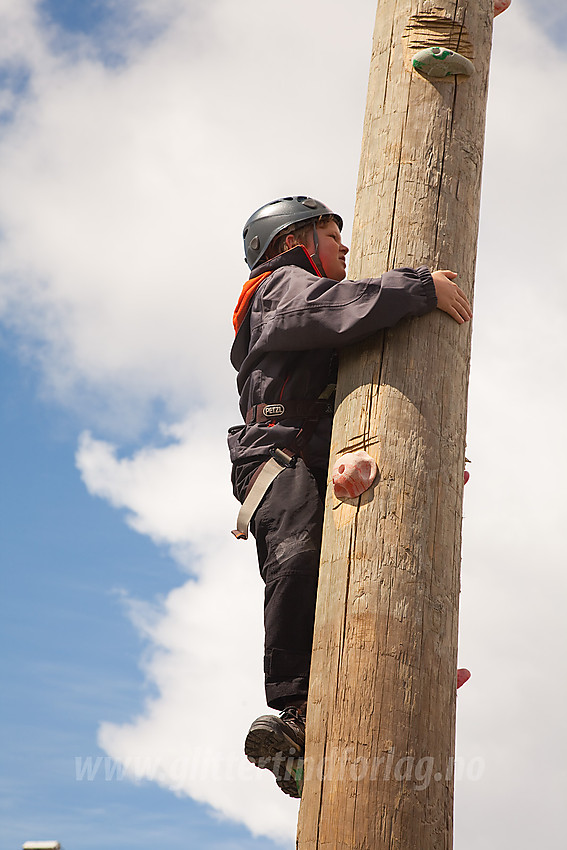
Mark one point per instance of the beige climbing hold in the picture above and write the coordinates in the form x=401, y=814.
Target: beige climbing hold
x=353, y=473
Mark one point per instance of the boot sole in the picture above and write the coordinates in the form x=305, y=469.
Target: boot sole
x=270, y=748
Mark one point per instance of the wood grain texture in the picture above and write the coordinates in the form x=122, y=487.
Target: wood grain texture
x=381, y=714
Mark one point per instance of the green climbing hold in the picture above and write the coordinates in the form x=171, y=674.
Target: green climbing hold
x=298, y=776
x=439, y=62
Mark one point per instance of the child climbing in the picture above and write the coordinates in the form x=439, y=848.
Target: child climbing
x=294, y=312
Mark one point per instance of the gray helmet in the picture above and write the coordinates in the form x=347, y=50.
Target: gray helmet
x=272, y=218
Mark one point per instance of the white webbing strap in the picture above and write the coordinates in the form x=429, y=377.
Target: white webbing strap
x=269, y=472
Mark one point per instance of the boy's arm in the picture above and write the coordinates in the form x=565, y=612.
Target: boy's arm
x=300, y=311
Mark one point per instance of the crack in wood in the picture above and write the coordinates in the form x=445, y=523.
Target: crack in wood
x=437, y=30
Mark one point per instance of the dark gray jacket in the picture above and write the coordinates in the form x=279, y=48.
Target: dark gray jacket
x=285, y=347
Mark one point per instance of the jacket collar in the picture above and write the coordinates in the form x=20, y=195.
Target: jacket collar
x=298, y=256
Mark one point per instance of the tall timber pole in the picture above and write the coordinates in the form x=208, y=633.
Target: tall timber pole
x=381, y=712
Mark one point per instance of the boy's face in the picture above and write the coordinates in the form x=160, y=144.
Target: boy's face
x=332, y=252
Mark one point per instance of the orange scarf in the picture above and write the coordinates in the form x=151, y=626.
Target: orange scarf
x=246, y=296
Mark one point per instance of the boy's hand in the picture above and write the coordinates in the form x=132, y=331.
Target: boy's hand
x=450, y=298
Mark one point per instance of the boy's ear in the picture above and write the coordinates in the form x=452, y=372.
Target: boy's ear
x=290, y=241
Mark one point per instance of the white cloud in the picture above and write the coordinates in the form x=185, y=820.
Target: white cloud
x=128, y=183
x=124, y=192
x=205, y=664
x=512, y=626
x=206, y=637
x=175, y=494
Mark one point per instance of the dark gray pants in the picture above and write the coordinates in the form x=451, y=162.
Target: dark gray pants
x=287, y=527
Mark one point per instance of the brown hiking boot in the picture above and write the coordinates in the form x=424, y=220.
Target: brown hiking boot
x=278, y=744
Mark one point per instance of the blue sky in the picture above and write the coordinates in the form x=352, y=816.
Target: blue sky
x=71, y=656
x=131, y=619
x=77, y=17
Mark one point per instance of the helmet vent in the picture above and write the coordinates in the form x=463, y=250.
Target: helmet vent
x=255, y=244
x=309, y=202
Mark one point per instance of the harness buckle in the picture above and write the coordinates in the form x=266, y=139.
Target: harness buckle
x=288, y=461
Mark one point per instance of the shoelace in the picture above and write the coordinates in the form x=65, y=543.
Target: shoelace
x=294, y=714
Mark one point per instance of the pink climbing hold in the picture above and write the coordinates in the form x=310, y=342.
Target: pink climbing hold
x=353, y=473
x=463, y=675
x=467, y=476
x=500, y=6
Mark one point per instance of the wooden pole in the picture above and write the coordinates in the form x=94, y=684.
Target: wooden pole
x=381, y=713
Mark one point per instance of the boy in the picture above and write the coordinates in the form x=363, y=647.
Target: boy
x=292, y=315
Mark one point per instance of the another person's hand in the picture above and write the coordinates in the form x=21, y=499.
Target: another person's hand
x=450, y=298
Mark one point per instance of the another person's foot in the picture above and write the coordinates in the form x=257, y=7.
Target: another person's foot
x=278, y=744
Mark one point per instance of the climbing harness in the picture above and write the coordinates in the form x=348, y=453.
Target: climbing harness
x=261, y=413
x=266, y=473
x=310, y=412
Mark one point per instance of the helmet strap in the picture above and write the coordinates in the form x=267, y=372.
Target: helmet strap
x=315, y=255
